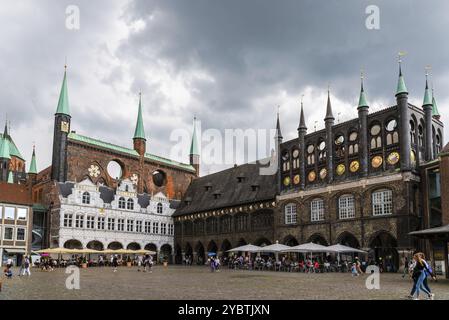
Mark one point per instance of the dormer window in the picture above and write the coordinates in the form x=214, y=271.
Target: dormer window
x=240, y=179
x=121, y=203
x=217, y=195
x=159, y=208
x=86, y=198
x=188, y=200
x=208, y=187
x=255, y=187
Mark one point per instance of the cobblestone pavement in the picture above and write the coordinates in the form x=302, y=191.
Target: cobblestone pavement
x=178, y=282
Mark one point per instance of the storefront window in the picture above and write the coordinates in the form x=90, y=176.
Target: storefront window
x=8, y=233
x=22, y=214
x=9, y=213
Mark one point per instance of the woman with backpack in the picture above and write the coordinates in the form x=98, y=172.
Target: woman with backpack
x=419, y=275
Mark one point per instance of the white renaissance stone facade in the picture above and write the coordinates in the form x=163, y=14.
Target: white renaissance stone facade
x=86, y=218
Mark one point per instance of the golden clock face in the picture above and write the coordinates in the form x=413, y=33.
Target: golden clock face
x=287, y=181
x=64, y=126
x=354, y=166
x=377, y=161
x=341, y=169
x=296, y=179
x=393, y=158
x=323, y=173
x=312, y=176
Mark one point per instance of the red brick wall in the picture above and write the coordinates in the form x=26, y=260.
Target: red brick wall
x=80, y=157
x=15, y=193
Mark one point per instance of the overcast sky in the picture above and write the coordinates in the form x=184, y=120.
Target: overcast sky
x=229, y=62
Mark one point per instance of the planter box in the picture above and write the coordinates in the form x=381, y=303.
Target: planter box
x=84, y=265
x=129, y=264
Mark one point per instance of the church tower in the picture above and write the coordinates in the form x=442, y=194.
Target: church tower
x=60, y=135
x=194, y=155
x=140, y=147
x=5, y=156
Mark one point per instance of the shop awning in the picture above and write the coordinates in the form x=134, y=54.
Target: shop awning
x=14, y=250
x=438, y=231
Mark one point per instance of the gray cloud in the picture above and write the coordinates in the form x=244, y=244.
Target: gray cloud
x=229, y=62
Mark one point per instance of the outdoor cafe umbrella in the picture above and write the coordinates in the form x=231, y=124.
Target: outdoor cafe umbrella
x=246, y=248
x=308, y=247
x=339, y=248
x=274, y=248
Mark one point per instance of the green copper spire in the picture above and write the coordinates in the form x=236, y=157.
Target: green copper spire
x=401, y=83
x=194, y=144
x=139, y=133
x=4, y=148
x=63, y=103
x=10, y=177
x=427, y=96
x=33, y=167
x=435, y=112
x=362, y=99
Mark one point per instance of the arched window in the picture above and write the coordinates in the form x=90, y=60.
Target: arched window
x=130, y=204
x=290, y=213
x=317, y=210
x=420, y=136
x=121, y=203
x=310, y=154
x=346, y=207
x=295, y=155
x=159, y=208
x=322, y=151
x=382, y=202
x=437, y=145
x=285, y=161
x=376, y=139
x=412, y=132
x=86, y=198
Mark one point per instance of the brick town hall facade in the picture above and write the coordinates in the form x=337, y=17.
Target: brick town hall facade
x=356, y=183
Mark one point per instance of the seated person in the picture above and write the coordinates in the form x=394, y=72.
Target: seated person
x=8, y=273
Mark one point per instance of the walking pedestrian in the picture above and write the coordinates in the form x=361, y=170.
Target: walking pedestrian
x=420, y=273
x=26, y=265
x=406, y=265
x=115, y=262
x=139, y=263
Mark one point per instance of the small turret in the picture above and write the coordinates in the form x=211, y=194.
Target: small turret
x=194, y=154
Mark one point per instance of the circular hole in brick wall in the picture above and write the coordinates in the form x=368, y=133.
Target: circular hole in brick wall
x=159, y=178
x=115, y=170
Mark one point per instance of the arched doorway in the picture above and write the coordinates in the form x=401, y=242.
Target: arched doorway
x=225, y=246
x=178, y=254
x=73, y=244
x=152, y=247
x=95, y=245
x=290, y=241
x=241, y=242
x=383, y=250
x=188, y=253
x=212, y=247
x=133, y=246
x=166, y=253
x=115, y=246
x=262, y=242
x=318, y=239
x=200, y=254
x=348, y=239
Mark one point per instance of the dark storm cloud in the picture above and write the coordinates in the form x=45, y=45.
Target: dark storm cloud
x=236, y=60
x=253, y=48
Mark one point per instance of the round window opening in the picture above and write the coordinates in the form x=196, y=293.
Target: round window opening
x=353, y=136
x=392, y=125
x=322, y=146
x=159, y=178
x=375, y=130
x=115, y=170
x=339, y=140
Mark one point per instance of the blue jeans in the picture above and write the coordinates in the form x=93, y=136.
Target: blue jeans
x=420, y=284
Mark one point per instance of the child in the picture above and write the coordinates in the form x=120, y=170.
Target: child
x=8, y=273
x=354, y=270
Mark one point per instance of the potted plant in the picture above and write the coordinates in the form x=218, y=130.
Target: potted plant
x=128, y=262
x=84, y=264
x=165, y=262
